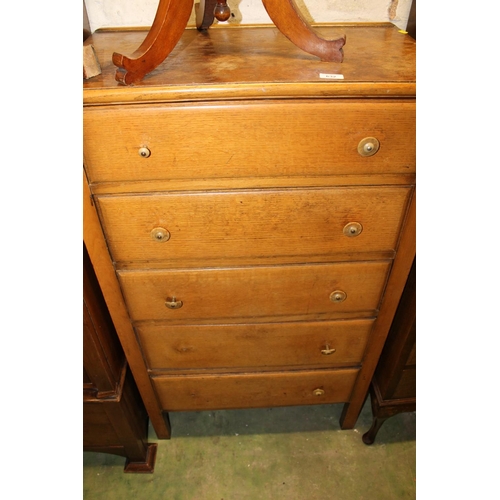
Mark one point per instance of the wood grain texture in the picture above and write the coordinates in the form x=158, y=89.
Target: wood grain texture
x=265, y=182
x=104, y=270
x=301, y=291
x=393, y=387
x=215, y=228
x=249, y=62
x=254, y=390
x=168, y=25
x=273, y=138
x=253, y=345
x=287, y=17
x=103, y=357
x=395, y=286
x=252, y=166
x=114, y=418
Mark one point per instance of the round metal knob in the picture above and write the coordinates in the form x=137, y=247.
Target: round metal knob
x=160, y=234
x=318, y=392
x=338, y=296
x=368, y=146
x=144, y=152
x=353, y=229
x=173, y=303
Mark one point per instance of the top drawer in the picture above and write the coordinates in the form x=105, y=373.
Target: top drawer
x=251, y=139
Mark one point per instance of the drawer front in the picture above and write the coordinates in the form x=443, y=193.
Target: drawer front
x=220, y=226
x=329, y=343
x=254, y=292
x=254, y=390
x=259, y=139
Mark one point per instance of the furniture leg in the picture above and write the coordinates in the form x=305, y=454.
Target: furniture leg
x=205, y=14
x=369, y=436
x=146, y=466
x=169, y=23
x=288, y=19
x=382, y=410
x=172, y=17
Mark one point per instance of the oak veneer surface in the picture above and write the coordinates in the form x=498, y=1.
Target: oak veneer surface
x=248, y=390
x=204, y=65
x=256, y=293
x=238, y=220
x=324, y=133
x=244, y=345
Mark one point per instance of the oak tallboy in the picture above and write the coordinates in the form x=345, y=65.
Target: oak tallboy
x=249, y=211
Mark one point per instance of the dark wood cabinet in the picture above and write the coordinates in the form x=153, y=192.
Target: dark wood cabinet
x=114, y=417
x=393, y=388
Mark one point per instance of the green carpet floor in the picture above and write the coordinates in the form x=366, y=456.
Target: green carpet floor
x=294, y=453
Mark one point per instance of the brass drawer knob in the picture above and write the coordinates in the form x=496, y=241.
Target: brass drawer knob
x=353, y=229
x=144, y=152
x=318, y=392
x=338, y=296
x=160, y=234
x=368, y=146
x=173, y=303
x=327, y=351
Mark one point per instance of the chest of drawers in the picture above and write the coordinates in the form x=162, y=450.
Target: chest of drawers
x=252, y=223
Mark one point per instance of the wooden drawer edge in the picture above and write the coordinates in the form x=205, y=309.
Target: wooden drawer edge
x=254, y=390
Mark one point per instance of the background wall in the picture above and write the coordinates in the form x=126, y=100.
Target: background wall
x=119, y=13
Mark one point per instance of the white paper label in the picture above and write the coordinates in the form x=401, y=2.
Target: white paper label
x=331, y=76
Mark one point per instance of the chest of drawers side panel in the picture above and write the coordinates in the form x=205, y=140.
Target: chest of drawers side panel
x=105, y=273
x=397, y=280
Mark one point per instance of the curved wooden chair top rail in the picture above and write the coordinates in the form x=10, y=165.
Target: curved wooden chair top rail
x=171, y=20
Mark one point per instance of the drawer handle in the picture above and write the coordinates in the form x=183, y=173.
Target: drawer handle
x=173, y=303
x=318, y=392
x=368, y=146
x=338, y=296
x=160, y=234
x=144, y=152
x=353, y=229
x=327, y=351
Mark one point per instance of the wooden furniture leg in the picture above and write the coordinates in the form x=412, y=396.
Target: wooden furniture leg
x=382, y=410
x=393, y=387
x=288, y=19
x=205, y=14
x=369, y=436
x=172, y=17
x=169, y=23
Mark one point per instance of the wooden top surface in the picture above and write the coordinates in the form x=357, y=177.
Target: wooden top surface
x=258, y=63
